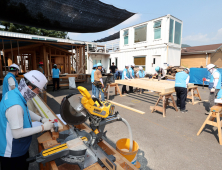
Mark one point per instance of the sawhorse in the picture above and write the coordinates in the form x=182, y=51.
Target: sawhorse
x=215, y=113
x=192, y=90
x=164, y=97
x=106, y=92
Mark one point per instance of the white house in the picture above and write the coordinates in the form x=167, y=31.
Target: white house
x=153, y=43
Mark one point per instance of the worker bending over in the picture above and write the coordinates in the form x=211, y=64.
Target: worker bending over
x=40, y=67
x=55, y=77
x=181, y=82
x=125, y=76
x=132, y=75
x=160, y=73
x=141, y=74
x=214, y=84
x=98, y=82
x=9, y=82
x=16, y=122
x=92, y=81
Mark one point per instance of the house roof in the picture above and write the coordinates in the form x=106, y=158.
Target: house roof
x=200, y=49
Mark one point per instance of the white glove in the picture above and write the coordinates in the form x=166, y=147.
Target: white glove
x=212, y=90
x=48, y=125
x=44, y=120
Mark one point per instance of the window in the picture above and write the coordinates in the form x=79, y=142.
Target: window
x=140, y=33
x=110, y=62
x=171, y=31
x=177, y=36
x=140, y=61
x=157, y=30
x=116, y=62
x=126, y=36
x=96, y=61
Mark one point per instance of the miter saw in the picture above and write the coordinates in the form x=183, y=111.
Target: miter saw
x=77, y=146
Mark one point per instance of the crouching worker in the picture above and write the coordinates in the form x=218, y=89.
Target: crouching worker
x=98, y=82
x=181, y=82
x=160, y=73
x=16, y=122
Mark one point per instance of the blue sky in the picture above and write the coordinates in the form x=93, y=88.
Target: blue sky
x=202, y=19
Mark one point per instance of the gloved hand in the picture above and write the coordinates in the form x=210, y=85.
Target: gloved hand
x=212, y=90
x=48, y=125
x=204, y=79
x=44, y=120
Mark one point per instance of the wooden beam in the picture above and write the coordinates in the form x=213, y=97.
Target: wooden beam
x=50, y=60
x=69, y=63
x=1, y=68
x=66, y=51
x=45, y=60
x=11, y=52
x=34, y=61
x=3, y=50
x=58, y=55
x=24, y=47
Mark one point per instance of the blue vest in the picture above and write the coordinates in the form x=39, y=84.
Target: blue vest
x=141, y=74
x=5, y=83
x=55, y=73
x=211, y=83
x=219, y=94
x=127, y=73
x=132, y=72
x=180, y=80
x=92, y=75
x=42, y=69
x=10, y=147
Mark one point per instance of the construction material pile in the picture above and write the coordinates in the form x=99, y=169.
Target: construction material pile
x=172, y=70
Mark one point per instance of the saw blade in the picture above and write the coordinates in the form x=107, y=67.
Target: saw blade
x=72, y=111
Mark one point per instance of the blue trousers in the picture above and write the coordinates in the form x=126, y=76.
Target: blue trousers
x=93, y=90
x=97, y=93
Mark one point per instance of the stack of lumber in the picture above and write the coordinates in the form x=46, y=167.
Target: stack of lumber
x=172, y=70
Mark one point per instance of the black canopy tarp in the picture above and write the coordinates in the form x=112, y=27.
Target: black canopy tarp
x=109, y=38
x=83, y=16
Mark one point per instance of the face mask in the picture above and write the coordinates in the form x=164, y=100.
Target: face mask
x=211, y=71
x=26, y=92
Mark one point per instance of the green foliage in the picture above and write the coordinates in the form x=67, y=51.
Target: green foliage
x=32, y=30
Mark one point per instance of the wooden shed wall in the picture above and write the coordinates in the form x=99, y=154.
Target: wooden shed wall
x=194, y=60
x=217, y=59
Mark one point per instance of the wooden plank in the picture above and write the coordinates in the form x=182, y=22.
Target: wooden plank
x=72, y=167
x=45, y=137
x=34, y=61
x=126, y=107
x=24, y=47
x=60, y=49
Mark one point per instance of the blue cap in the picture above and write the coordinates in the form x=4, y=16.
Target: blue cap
x=157, y=69
x=95, y=65
x=99, y=64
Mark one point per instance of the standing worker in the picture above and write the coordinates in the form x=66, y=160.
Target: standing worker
x=113, y=68
x=55, y=77
x=40, y=67
x=214, y=84
x=16, y=122
x=181, y=82
x=92, y=81
x=141, y=74
x=125, y=76
x=9, y=82
x=98, y=82
x=160, y=73
x=131, y=72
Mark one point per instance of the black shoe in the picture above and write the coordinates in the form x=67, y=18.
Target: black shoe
x=183, y=111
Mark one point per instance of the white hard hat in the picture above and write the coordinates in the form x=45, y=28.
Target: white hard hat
x=133, y=65
x=126, y=65
x=187, y=69
x=55, y=64
x=140, y=67
x=36, y=78
x=210, y=66
x=13, y=67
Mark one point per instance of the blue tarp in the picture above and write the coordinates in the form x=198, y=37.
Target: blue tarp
x=197, y=75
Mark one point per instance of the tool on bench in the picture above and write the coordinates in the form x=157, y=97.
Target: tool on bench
x=77, y=146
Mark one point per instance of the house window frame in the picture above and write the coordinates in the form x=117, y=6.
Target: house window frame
x=135, y=30
x=126, y=34
x=142, y=56
x=157, y=27
x=173, y=30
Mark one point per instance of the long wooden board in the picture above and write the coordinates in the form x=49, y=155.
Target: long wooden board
x=162, y=86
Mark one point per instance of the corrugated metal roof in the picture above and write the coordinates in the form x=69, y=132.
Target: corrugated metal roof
x=200, y=49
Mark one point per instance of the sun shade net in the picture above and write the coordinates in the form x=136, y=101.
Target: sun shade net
x=109, y=38
x=83, y=16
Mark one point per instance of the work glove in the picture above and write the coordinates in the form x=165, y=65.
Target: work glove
x=44, y=120
x=204, y=79
x=48, y=125
x=212, y=90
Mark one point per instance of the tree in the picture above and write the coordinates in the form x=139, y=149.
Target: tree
x=32, y=30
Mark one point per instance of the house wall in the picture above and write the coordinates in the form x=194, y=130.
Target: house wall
x=217, y=59
x=104, y=61
x=195, y=60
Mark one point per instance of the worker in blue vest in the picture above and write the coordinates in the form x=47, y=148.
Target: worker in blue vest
x=141, y=74
x=16, y=122
x=55, y=77
x=40, y=67
x=92, y=81
x=181, y=82
x=160, y=73
x=9, y=82
x=132, y=76
x=214, y=85
x=125, y=76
